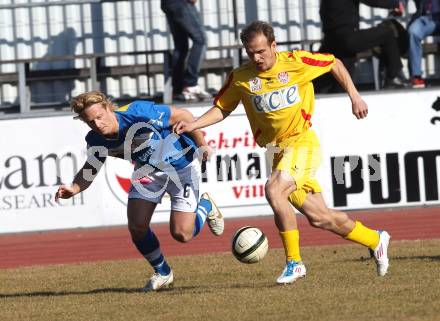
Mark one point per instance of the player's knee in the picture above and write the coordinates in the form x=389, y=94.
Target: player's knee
x=273, y=191
x=276, y=195
x=278, y=187
x=269, y=191
x=321, y=223
x=137, y=232
x=181, y=235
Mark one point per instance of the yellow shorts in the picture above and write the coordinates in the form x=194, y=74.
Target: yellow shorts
x=299, y=158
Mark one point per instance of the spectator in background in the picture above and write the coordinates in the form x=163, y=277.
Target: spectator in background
x=425, y=22
x=344, y=39
x=185, y=23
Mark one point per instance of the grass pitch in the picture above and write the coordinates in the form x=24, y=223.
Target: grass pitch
x=341, y=285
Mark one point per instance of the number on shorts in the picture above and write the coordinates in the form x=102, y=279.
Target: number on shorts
x=186, y=190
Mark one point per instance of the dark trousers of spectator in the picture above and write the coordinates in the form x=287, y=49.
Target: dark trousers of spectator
x=185, y=23
x=345, y=44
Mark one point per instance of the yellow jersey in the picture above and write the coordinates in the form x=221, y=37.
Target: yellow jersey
x=279, y=102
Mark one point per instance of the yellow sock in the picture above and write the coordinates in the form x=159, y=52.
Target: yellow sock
x=364, y=235
x=291, y=245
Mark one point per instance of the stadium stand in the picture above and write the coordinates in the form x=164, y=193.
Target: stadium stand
x=110, y=56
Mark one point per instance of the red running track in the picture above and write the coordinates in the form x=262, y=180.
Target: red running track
x=113, y=243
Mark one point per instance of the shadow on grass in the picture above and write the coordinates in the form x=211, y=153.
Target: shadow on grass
x=178, y=290
x=398, y=258
x=173, y=290
x=418, y=257
x=66, y=293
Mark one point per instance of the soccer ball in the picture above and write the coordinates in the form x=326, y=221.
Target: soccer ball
x=249, y=244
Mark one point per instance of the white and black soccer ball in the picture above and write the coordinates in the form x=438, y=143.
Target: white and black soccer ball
x=249, y=244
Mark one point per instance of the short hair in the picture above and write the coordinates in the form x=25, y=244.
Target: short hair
x=257, y=27
x=85, y=100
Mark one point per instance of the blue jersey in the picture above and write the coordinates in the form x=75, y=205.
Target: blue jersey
x=144, y=129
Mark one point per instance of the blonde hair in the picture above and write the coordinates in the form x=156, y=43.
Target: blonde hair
x=85, y=100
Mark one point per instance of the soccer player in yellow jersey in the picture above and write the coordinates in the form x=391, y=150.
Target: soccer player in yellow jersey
x=277, y=93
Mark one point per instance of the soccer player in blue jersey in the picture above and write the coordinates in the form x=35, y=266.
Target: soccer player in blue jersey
x=164, y=162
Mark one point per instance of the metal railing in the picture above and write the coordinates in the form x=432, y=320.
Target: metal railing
x=96, y=71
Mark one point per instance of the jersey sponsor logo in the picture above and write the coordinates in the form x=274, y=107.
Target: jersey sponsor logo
x=276, y=100
x=255, y=84
x=283, y=77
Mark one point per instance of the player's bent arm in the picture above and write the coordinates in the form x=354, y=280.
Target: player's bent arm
x=359, y=107
x=178, y=114
x=181, y=114
x=212, y=116
x=83, y=179
x=343, y=77
x=198, y=137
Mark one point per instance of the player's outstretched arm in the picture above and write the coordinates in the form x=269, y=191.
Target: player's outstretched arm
x=359, y=107
x=83, y=179
x=212, y=116
x=181, y=114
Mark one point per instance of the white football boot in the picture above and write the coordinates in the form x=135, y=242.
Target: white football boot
x=292, y=272
x=158, y=281
x=214, y=218
x=381, y=253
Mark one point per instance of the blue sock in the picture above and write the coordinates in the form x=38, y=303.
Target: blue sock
x=203, y=208
x=149, y=247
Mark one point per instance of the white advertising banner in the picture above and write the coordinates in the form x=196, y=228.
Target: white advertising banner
x=389, y=159
x=38, y=155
